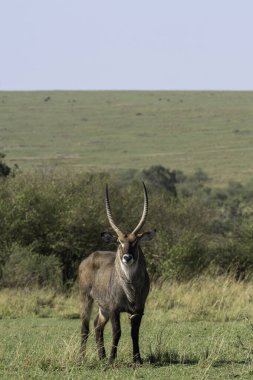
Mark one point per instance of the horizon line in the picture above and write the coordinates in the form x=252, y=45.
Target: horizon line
x=126, y=90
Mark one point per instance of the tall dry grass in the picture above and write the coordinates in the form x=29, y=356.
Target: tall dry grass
x=15, y=303
x=204, y=298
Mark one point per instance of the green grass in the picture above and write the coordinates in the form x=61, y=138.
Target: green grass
x=121, y=130
x=48, y=348
x=197, y=330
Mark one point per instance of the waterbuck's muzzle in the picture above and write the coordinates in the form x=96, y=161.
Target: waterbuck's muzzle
x=127, y=258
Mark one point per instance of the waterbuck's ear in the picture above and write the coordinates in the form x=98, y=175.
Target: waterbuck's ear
x=108, y=238
x=146, y=236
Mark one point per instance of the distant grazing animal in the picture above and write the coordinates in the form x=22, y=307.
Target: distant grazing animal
x=118, y=282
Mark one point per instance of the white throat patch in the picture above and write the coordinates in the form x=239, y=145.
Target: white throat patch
x=128, y=269
x=126, y=281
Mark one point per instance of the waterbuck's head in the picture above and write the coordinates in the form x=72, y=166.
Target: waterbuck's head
x=127, y=243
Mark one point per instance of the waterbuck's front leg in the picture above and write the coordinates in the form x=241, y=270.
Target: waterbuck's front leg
x=135, y=327
x=116, y=332
x=99, y=325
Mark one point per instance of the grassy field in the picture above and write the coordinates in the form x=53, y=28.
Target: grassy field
x=196, y=330
x=121, y=130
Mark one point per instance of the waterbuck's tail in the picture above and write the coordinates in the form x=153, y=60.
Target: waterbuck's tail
x=86, y=303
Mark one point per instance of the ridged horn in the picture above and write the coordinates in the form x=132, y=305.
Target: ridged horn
x=109, y=214
x=144, y=213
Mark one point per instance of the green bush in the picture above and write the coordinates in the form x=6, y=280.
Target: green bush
x=26, y=268
x=59, y=216
x=63, y=217
x=186, y=258
x=193, y=185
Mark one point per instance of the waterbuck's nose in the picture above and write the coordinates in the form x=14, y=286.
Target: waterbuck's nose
x=127, y=258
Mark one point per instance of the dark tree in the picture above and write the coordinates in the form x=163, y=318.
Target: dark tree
x=5, y=170
x=161, y=177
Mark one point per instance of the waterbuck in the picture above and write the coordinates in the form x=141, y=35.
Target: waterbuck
x=118, y=282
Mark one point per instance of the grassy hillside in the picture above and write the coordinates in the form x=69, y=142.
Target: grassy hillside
x=104, y=130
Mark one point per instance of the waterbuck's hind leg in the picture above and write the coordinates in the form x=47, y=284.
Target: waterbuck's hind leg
x=85, y=312
x=99, y=324
x=135, y=327
x=116, y=332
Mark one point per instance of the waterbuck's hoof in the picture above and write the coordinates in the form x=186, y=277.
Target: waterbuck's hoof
x=111, y=361
x=138, y=361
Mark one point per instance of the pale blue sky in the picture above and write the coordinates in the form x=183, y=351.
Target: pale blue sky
x=130, y=44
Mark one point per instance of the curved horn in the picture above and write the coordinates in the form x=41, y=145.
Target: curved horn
x=144, y=213
x=109, y=214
